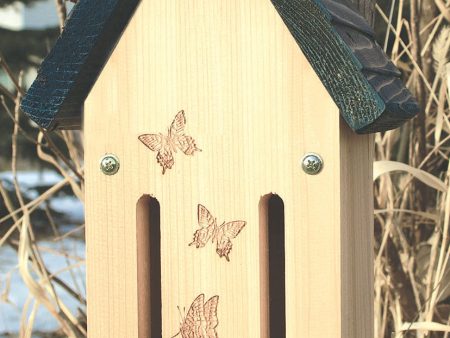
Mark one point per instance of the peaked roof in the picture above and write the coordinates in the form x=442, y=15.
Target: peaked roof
x=68, y=73
x=335, y=38
x=341, y=47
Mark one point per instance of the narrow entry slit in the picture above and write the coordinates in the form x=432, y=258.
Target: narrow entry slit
x=148, y=234
x=272, y=258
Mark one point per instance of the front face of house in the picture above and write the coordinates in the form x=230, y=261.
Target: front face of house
x=252, y=106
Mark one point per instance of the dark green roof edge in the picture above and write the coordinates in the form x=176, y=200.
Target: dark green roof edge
x=340, y=46
x=334, y=37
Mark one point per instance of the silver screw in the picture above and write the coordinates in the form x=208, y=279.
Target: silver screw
x=312, y=163
x=109, y=164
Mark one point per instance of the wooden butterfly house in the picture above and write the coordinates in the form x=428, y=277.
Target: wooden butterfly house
x=227, y=161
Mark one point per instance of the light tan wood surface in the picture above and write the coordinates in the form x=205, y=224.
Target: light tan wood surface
x=254, y=106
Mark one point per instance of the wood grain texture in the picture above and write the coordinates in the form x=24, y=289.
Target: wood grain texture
x=254, y=105
x=65, y=78
x=340, y=45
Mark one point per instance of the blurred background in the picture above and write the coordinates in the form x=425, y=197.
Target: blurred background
x=55, y=253
x=42, y=273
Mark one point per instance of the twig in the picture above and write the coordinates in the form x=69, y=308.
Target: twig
x=16, y=122
x=391, y=14
x=61, y=156
x=6, y=92
x=445, y=11
x=62, y=12
x=10, y=74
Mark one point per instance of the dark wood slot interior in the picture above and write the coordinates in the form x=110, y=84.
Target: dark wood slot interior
x=148, y=234
x=272, y=260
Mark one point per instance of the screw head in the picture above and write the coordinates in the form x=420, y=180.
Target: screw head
x=312, y=163
x=109, y=164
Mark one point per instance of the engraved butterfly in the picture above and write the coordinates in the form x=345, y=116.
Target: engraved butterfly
x=166, y=146
x=201, y=320
x=222, y=234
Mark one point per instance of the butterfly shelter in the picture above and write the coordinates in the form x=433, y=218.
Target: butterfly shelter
x=228, y=163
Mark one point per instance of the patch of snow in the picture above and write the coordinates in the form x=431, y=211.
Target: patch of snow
x=70, y=206
x=10, y=314
x=72, y=210
x=34, y=182
x=33, y=179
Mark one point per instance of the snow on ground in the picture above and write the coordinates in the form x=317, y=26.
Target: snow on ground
x=10, y=314
x=33, y=179
x=12, y=303
x=31, y=182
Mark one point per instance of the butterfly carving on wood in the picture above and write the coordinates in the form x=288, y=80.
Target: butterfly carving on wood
x=201, y=320
x=219, y=234
x=166, y=145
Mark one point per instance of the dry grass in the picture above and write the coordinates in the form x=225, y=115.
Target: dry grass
x=412, y=192
x=412, y=180
x=20, y=236
x=38, y=279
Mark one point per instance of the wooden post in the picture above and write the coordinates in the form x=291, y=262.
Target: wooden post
x=356, y=257
x=254, y=106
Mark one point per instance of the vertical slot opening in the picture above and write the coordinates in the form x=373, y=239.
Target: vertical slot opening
x=148, y=232
x=272, y=260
